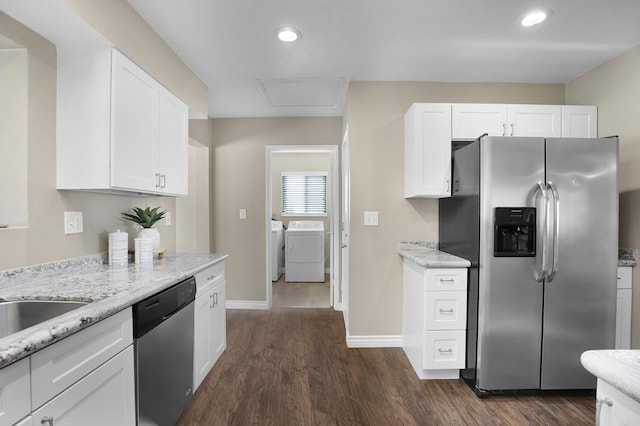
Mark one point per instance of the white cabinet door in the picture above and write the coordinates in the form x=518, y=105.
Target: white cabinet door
x=173, y=140
x=203, y=337
x=469, y=121
x=133, y=126
x=615, y=408
x=427, y=151
x=219, y=322
x=104, y=397
x=15, y=392
x=210, y=330
x=534, y=120
x=579, y=121
x=623, y=308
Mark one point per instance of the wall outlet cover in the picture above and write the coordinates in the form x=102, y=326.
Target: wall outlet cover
x=370, y=218
x=73, y=223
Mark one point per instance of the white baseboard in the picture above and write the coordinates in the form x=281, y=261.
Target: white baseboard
x=246, y=304
x=384, y=341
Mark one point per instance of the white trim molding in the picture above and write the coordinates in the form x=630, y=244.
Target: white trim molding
x=372, y=341
x=246, y=304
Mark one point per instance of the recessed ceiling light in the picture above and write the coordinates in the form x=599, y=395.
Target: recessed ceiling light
x=535, y=17
x=288, y=34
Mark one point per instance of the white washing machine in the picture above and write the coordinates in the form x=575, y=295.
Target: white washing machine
x=277, y=244
x=304, y=248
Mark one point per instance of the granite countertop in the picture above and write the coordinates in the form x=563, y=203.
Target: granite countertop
x=619, y=368
x=427, y=255
x=108, y=289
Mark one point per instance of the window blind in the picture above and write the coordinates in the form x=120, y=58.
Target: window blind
x=304, y=193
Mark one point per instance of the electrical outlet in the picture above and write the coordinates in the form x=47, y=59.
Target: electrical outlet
x=73, y=223
x=167, y=218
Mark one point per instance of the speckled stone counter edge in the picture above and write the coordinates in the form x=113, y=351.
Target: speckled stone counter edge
x=108, y=289
x=627, y=257
x=426, y=254
x=619, y=368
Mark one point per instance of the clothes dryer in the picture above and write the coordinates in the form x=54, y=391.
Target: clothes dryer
x=304, y=253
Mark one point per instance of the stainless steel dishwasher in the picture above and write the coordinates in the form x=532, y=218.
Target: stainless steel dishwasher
x=163, y=343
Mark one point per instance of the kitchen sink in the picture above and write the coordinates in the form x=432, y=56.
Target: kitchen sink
x=21, y=314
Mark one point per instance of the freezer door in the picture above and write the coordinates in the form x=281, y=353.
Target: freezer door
x=509, y=296
x=580, y=300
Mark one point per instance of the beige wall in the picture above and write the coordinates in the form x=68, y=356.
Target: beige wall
x=301, y=162
x=615, y=88
x=120, y=23
x=44, y=240
x=375, y=112
x=239, y=182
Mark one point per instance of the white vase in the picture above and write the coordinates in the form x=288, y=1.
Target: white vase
x=150, y=233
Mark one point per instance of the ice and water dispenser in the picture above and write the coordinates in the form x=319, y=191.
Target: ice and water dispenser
x=515, y=232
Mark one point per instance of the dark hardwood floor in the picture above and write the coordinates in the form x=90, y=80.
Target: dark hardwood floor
x=301, y=295
x=292, y=367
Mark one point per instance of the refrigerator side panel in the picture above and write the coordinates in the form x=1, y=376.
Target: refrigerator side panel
x=459, y=234
x=509, y=297
x=580, y=300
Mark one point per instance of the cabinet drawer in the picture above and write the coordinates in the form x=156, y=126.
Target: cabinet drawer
x=444, y=350
x=625, y=277
x=58, y=366
x=15, y=393
x=445, y=279
x=445, y=310
x=208, y=278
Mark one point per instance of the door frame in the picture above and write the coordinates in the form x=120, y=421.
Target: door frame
x=334, y=251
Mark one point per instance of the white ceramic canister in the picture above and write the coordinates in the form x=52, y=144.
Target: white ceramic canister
x=118, y=248
x=144, y=250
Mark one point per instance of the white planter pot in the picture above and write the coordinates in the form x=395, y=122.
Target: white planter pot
x=152, y=233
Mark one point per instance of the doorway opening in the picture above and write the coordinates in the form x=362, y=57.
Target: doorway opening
x=307, y=229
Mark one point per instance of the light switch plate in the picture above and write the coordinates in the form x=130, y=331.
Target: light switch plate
x=243, y=214
x=370, y=218
x=167, y=218
x=73, y=223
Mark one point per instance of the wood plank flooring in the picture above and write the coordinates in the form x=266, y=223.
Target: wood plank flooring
x=301, y=295
x=292, y=367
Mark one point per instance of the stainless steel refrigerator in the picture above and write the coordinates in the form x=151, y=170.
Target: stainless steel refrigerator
x=538, y=219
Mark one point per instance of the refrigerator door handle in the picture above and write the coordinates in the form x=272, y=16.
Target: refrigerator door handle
x=542, y=189
x=556, y=229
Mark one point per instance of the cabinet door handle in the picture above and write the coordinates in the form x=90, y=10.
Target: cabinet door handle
x=47, y=420
x=212, y=304
x=157, y=180
x=448, y=186
x=215, y=299
x=163, y=179
x=512, y=130
x=446, y=311
x=446, y=280
x=445, y=351
x=599, y=402
x=504, y=129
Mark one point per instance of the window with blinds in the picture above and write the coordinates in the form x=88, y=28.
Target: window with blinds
x=304, y=193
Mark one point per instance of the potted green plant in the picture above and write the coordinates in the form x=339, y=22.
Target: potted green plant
x=146, y=218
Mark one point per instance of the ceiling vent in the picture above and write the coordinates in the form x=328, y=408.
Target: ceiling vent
x=302, y=92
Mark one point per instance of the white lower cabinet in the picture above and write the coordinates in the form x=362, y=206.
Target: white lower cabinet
x=210, y=322
x=15, y=392
x=614, y=408
x=623, y=308
x=106, y=396
x=434, y=320
x=86, y=378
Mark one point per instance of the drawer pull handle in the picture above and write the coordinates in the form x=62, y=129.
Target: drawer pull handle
x=446, y=311
x=47, y=420
x=445, y=351
x=599, y=403
x=446, y=280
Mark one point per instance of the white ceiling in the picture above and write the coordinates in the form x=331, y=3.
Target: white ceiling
x=232, y=47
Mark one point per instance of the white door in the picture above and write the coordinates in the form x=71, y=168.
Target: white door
x=173, y=141
x=470, y=121
x=106, y=396
x=535, y=120
x=133, y=126
x=342, y=297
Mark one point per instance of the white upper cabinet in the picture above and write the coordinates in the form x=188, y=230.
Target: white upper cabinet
x=429, y=129
x=427, y=151
x=579, y=121
x=469, y=121
x=119, y=130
